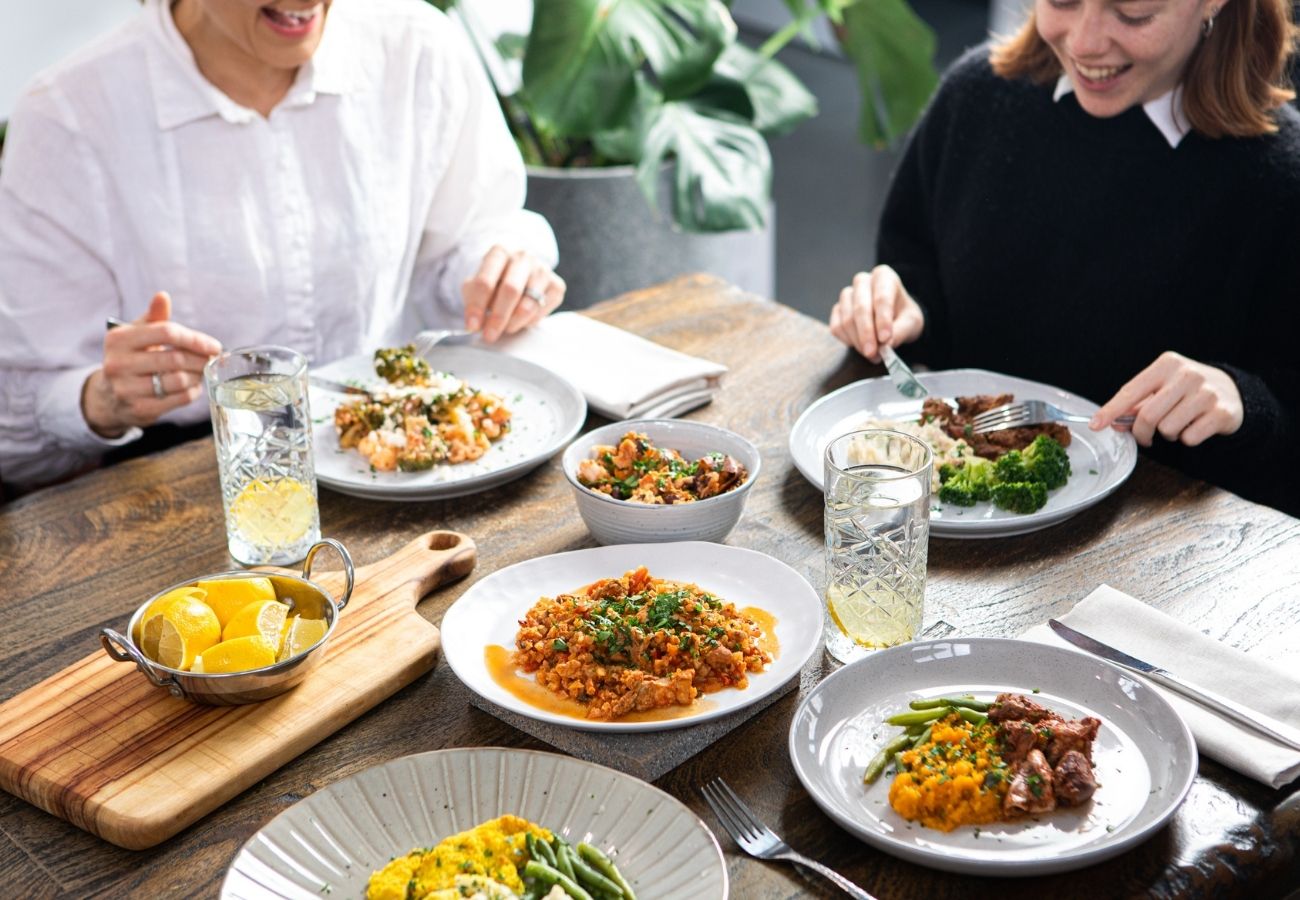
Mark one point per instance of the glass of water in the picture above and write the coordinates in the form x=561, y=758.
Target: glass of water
x=877, y=487
x=262, y=428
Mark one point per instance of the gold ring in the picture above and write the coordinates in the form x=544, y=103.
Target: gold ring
x=158, y=390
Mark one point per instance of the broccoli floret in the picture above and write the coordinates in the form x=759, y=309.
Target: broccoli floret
x=1020, y=496
x=1047, y=462
x=967, y=484
x=1011, y=468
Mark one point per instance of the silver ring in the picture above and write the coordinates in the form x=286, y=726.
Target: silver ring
x=158, y=390
x=535, y=294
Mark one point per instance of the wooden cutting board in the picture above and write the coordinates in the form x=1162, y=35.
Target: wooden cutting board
x=100, y=746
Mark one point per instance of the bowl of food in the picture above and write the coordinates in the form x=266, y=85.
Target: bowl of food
x=233, y=637
x=659, y=480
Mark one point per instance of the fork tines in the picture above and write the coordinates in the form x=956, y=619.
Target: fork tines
x=1009, y=415
x=738, y=819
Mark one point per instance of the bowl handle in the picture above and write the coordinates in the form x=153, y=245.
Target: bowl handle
x=347, y=565
x=122, y=650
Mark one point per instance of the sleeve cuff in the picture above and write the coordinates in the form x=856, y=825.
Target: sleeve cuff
x=59, y=413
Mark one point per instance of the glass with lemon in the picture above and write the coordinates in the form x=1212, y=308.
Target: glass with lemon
x=877, y=525
x=261, y=425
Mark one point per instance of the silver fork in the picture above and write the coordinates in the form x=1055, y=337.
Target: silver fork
x=425, y=341
x=756, y=839
x=1029, y=412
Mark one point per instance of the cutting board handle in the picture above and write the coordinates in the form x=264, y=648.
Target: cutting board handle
x=433, y=559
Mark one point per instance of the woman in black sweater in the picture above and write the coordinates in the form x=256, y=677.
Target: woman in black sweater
x=1110, y=202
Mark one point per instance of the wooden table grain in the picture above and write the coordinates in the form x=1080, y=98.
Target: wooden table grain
x=80, y=556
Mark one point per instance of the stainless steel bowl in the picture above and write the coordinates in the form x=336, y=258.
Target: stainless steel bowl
x=234, y=688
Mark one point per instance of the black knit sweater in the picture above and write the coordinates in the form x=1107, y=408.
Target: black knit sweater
x=1046, y=243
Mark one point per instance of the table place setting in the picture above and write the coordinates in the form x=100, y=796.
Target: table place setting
x=1253, y=685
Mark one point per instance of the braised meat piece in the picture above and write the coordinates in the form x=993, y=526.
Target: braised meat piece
x=1031, y=789
x=1074, y=735
x=1012, y=707
x=1018, y=738
x=994, y=443
x=1072, y=778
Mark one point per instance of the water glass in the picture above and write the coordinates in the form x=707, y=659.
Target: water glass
x=877, y=491
x=262, y=428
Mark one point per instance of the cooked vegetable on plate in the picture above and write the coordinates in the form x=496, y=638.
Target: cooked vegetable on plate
x=421, y=418
x=962, y=761
x=506, y=858
x=638, y=471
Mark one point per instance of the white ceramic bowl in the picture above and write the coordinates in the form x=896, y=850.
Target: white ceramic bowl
x=622, y=522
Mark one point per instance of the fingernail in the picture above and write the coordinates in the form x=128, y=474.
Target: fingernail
x=1095, y=422
x=473, y=322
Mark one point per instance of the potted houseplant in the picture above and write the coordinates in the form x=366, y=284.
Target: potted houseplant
x=616, y=104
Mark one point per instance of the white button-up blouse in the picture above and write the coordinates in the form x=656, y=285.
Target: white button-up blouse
x=344, y=221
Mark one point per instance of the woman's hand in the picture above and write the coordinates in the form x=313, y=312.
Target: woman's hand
x=1183, y=399
x=510, y=292
x=124, y=392
x=876, y=309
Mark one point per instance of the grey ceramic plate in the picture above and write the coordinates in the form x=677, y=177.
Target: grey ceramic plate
x=1101, y=461
x=547, y=413
x=328, y=844
x=1144, y=754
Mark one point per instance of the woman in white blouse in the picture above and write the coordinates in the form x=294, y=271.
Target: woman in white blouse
x=330, y=175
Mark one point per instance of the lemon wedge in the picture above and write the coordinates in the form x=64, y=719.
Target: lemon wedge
x=274, y=512
x=183, y=629
x=236, y=655
x=228, y=596
x=163, y=602
x=300, y=634
x=261, y=617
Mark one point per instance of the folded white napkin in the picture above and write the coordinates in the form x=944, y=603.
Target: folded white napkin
x=622, y=376
x=1124, y=623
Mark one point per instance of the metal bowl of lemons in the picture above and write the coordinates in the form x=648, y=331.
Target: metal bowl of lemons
x=233, y=637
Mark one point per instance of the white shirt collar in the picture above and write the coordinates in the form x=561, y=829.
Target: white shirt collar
x=1165, y=112
x=182, y=94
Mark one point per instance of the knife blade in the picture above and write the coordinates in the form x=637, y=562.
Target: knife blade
x=338, y=387
x=1255, y=721
x=901, y=375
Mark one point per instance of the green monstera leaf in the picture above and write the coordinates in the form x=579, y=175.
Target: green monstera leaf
x=893, y=52
x=776, y=100
x=583, y=56
x=723, y=174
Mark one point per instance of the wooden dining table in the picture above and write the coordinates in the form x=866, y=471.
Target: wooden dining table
x=82, y=555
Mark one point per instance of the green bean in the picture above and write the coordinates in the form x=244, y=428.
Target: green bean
x=919, y=716
x=542, y=872
x=918, y=728
x=934, y=702
x=922, y=737
x=562, y=851
x=590, y=878
x=605, y=865
x=898, y=762
x=879, y=761
x=970, y=715
x=967, y=702
x=545, y=852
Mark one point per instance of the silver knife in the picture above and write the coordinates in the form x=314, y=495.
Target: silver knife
x=1255, y=721
x=337, y=387
x=901, y=375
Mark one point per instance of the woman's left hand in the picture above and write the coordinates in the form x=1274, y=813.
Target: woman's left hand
x=1183, y=399
x=510, y=292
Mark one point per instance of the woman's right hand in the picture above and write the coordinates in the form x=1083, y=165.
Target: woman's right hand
x=876, y=309
x=123, y=393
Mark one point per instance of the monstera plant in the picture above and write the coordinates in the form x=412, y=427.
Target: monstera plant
x=644, y=82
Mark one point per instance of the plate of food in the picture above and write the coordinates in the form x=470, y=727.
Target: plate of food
x=486, y=823
x=406, y=429
x=975, y=491
x=633, y=637
x=991, y=756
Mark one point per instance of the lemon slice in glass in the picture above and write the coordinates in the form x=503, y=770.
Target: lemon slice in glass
x=273, y=512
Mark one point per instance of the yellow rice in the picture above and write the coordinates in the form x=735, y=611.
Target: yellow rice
x=956, y=778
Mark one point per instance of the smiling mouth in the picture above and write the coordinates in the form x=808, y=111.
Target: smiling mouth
x=1100, y=75
x=291, y=21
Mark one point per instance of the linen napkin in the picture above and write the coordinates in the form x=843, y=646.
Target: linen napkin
x=623, y=376
x=1124, y=623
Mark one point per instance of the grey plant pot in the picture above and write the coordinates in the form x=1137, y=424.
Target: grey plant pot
x=611, y=242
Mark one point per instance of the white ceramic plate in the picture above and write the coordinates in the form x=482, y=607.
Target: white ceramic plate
x=489, y=613
x=547, y=413
x=1145, y=756
x=328, y=844
x=1100, y=461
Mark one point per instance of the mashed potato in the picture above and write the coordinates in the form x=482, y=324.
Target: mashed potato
x=945, y=448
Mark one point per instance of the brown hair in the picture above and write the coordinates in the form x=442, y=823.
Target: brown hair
x=1236, y=77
